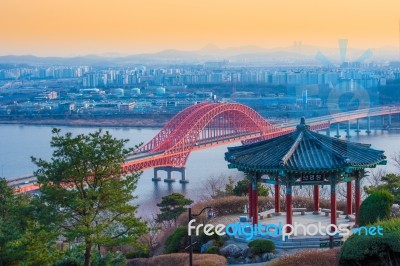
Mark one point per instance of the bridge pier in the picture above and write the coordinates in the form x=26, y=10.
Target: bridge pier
x=389, y=120
x=337, y=131
x=169, y=170
x=358, y=126
x=348, y=129
x=156, y=178
x=368, y=125
x=169, y=178
x=183, y=180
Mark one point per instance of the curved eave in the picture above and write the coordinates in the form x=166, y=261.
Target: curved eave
x=247, y=168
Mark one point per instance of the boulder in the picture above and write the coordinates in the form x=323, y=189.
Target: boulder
x=207, y=245
x=231, y=250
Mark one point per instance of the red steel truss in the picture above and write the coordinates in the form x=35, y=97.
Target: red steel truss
x=206, y=125
x=210, y=124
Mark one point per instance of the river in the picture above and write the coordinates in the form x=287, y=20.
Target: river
x=19, y=142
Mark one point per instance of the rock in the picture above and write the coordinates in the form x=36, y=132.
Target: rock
x=258, y=259
x=248, y=260
x=272, y=256
x=207, y=245
x=265, y=256
x=232, y=260
x=231, y=250
x=247, y=252
x=396, y=210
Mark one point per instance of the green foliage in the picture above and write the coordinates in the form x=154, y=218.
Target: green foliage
x=172, y=206
x=391, y=183
x=259, y=246
x=75, y=257
x=373, y=250
x=229, y=187
x=213, y=250
x=177, y=240
x=22, y=238
x=376, y=206
x=88, y=195
x=141, y=253
x=242, y=188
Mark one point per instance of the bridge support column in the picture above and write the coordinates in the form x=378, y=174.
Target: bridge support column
x=389, y=120
x=337, y=131
x=328, y=130
x=358, y=126
x=349, y=209
x=169, y=170
x=155, y=177
x=316, y=200
x=348, y=130
x=368, y=125
x=183, y=180
x=289, y=212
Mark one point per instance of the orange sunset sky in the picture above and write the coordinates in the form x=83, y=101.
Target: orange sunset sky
x=78, y=27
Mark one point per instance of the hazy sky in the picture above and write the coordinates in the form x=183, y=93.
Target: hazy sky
x=77, y=27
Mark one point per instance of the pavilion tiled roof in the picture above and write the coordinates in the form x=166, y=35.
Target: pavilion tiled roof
x=303, y=151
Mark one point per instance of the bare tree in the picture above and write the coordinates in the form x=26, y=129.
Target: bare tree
x=374, y=176
x=151, y=239
x=396, y=160
x=214, y=186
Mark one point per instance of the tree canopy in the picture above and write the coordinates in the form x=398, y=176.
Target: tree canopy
x=171, y=206
x=391, y=183
x=88, y=194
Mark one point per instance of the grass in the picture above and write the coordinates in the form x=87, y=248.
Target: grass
x=309, y=257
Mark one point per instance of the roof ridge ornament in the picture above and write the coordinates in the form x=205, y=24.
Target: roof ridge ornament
x=302, y=125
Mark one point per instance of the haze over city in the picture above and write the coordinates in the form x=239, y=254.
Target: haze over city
x=71, y=28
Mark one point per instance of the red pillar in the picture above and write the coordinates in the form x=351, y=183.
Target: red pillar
x=250, y=201
x=349, y=208
x=358, y=197
x=277, y=199
x=333, y=203
x=316, y=199
x=289, y=213
x=255, y=202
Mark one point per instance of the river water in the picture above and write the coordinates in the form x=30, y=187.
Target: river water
x=19, y=142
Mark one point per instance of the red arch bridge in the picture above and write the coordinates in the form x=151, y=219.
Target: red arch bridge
x=207, y=125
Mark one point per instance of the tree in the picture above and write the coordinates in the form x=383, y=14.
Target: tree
x=22, y=238
x=242, y=188
x=391, y=183
x=376, y=206
x=171, y=206
x=87, y=191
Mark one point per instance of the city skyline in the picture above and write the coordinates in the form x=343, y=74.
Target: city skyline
x=72, y=28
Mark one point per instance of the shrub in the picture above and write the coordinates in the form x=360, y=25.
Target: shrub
x=142, y=253
x=260, y=246
x=212, y=250
x=373, y=250
x=309, y=258
x=177, y=240
x=376, y=206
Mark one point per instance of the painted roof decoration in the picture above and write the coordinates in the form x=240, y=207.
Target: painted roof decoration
x=303, y=151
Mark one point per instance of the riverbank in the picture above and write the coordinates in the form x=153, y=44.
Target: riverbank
x=96, y=122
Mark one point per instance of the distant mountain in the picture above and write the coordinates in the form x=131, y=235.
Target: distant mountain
x=304, y=54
